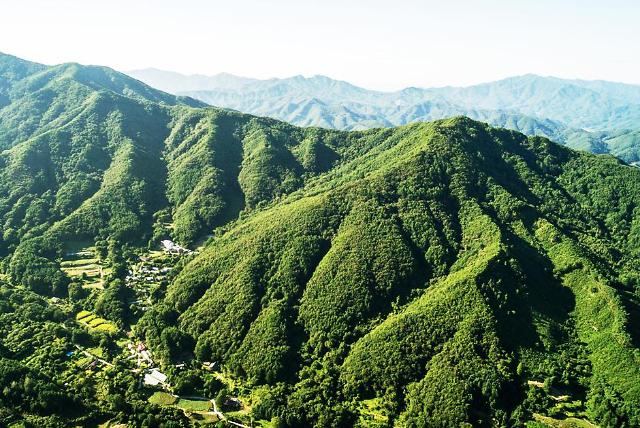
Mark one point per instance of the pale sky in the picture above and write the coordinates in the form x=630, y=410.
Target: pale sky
x=378, y=44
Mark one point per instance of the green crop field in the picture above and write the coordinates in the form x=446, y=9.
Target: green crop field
x=162, y=398
x=194, y=405
x=95, y=323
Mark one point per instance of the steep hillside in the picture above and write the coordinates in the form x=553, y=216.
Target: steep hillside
x=90, y=154
x=436, y=274
x=39, y=98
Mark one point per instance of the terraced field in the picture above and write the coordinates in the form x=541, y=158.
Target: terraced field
x=95, y=323
x=83, y=264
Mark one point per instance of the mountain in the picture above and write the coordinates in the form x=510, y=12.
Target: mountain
x=595, y=105
x=37, y=98
x=587, y=115
x=175, y=82
x=435, y=274
x=440, y=245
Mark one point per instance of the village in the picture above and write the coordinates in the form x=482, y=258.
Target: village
x=147, y=276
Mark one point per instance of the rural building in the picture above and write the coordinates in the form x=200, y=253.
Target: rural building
x=155, y=378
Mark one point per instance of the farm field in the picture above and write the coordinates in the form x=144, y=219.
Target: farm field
x=81, y=263
x=200, y=410
x=162, y=398
x=570, y=422
x=95, y=323
x=193, y=405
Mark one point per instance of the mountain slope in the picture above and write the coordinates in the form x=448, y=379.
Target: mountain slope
x=98, y=157
x=40, y=98
x=580, y=114
x=447, y=245
x=435, y=274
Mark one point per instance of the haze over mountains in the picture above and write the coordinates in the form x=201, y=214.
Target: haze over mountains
x=434, y=274
x=597, y=116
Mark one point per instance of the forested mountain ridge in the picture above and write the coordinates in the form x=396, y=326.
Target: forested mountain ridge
x=597, y=116
x=104, y=163
x=447, y=245
x=434, y=274
x=36, y=98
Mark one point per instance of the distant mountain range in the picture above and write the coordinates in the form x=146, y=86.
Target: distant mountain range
x=597, y=116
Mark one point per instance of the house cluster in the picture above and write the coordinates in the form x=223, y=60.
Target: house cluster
x=172, y=248
x=140, y=352
x=148, y=274
x=141, y=278
x=151, y=375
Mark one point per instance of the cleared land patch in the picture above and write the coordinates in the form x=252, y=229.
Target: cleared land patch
x=81, y=263
x=95, y=323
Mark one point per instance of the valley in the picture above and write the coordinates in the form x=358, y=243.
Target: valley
x=170, y=264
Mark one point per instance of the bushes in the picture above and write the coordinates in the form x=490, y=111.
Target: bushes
x=113, y=303
x=77, y=292
x=27, y=390
x=188, y=382
x=608, y=407
x=28, y=266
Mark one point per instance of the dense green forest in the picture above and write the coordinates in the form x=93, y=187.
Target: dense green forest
x=436, y=274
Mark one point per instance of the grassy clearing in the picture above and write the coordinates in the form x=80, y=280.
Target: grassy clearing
x=86, y=271
x=162, y=399
x=204, y=417
x=79, y=262
x=97, y=351
x=111, y=424
x=229, y=382
x=97, y=285
x=571, y=422
x=238, y=415
x=194, y=405
x=83, y=361
x=372, y=413
x=155, y=254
